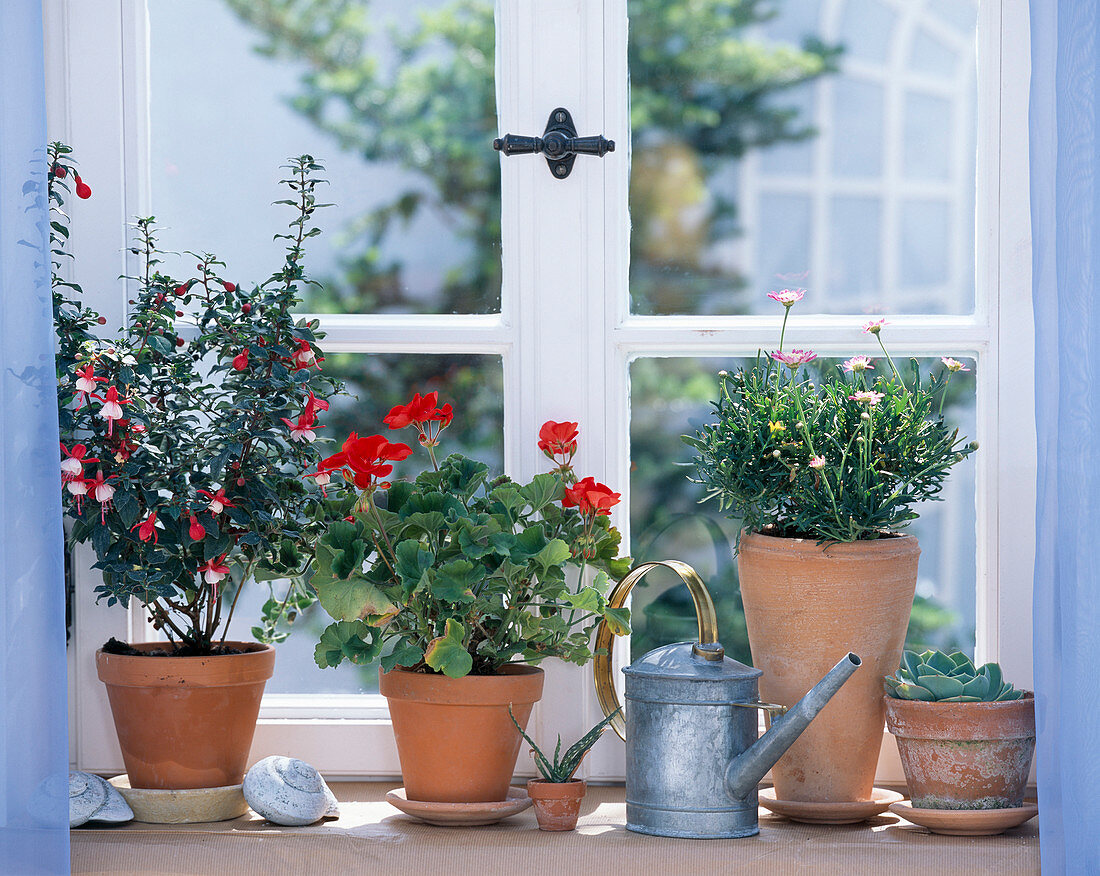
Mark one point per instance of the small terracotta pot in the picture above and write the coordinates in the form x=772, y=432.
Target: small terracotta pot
x=806, y=606
x=557, y=804
x=964, y=755
x=186, y=722
x=455, y=740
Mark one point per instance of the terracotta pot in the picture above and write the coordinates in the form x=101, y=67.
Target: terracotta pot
x=964, y=755
x=186, y=722
x=455, y=740
x=557, y=804
x=806, y=606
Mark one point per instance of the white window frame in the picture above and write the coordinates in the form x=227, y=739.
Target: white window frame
x=565, y=332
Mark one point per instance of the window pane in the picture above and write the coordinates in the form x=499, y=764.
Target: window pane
x=375, y=382
x=403, y=128
x=671, y=397
x=831, y=146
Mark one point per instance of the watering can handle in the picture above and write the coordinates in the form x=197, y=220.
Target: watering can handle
x=706, y=647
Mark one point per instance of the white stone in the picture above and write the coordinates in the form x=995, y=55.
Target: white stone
x=90, y=799
x=288, y=791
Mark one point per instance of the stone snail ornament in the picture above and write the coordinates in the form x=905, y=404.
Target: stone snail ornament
x=288, y=791
x=91, y=799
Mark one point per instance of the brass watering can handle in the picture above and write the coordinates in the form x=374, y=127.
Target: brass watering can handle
x=706, y=647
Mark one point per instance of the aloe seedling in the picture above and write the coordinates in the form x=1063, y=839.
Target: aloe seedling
x=948, y=678
x=564, y=766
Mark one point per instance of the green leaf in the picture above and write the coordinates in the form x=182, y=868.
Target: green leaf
x=618, y=620
x=448, y=654
x=976, y=687
x=914, y=692
x=941, y=686
x=454, y=581
x=344, y=640
x=543, y=489
x=403, y=654
x=941, y=663
x=413, y=560
x=555, y=553
x=587, y=599
x=349, y=600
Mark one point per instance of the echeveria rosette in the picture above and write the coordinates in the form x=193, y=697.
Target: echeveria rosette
x=948, y=678
x=837, y=455
x=181, y=467
x=457, y=573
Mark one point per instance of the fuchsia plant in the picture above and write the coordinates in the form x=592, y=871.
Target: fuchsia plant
x=838, y=455
x=186, y=437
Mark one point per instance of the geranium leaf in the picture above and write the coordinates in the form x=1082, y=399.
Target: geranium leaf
x=447, y=654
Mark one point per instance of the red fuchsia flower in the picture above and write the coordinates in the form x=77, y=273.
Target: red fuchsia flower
x=112, y=408
x=794, y=358
x=314, y=404
x=303, y=430
x=867, y=396
x=147, y=529
x=218, y=502
x=78, y=489
x=196, y=530
x=953, y=365
x=86, y=383
x=213, y=571
x=59, y=171
x=859, y=363
x=817, y=462
x=788, y=297
x=304, y=357
x=102, y=492
x=83, y=190
x=230, y=287
x=368, y=459
x=558, y=439
x=874, y=326
x=240, y=361
x=590, y=497
x=72, y=467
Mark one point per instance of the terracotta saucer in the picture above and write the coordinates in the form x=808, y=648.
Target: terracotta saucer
x=461, y=813
x=966, y=822
x=830, y=813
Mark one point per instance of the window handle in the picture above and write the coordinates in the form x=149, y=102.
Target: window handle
x=559, y=143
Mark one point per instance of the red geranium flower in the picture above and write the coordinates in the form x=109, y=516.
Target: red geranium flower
x=590, y=497
x=420, y=410
x=558, y=438
x=367, y=458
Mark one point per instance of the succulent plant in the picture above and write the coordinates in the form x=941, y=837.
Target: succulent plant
x=948, y=678
x=563, y=766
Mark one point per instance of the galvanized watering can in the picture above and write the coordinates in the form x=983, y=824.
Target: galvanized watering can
x=693, y=758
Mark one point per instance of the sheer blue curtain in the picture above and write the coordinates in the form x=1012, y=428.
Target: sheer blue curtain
x=1065, y=218
x=34, y=749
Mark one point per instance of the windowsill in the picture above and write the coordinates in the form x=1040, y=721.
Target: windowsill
x=370, y=836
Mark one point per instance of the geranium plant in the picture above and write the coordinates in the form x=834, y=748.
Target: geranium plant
x=455, y=572
x=841, y=459
x=185, y=437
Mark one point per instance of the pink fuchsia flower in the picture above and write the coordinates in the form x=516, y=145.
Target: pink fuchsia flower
x=147, y=529
x=858, y=363
x=72, y=467
x=953, y=365
x=86, y=383
x=787, y=297
x=817, y=462
x=218, y=502
x=794, y=358
x=867, y=396
x=213, y=571
x=102, y=492
x=322, y=478
x=78, y=489
x=874, y=326
x=111, y=409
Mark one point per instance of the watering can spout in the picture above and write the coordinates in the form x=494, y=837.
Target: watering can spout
x=747, y=769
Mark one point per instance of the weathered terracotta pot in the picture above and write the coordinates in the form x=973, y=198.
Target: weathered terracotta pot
x=186, y=722
x=806, y=606
x=455, y=740
x=557, y=804
x=964, y=755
